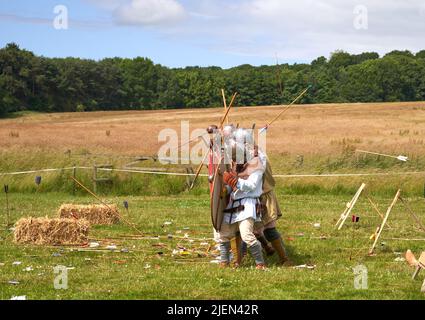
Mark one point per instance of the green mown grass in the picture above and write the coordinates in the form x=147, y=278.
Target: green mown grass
x=121, y=275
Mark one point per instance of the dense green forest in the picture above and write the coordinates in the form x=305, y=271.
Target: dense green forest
x=30, y=82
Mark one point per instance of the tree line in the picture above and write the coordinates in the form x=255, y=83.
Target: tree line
x=37, y=83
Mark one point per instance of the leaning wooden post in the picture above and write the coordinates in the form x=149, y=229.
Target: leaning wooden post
x=350, y=207
x=415, y=217
x=385, y=221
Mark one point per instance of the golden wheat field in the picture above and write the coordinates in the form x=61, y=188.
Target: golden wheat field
x=306, y=129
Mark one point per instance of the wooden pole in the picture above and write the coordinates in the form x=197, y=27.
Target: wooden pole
x=287, y=107
x=104, y=203
x=74, y=175
x=198, y=171
x=415, y=217
x=228, y=110
x=95, y=178
x=377, y=209
x=385, y=220
x=225, y=104
x=349, y=208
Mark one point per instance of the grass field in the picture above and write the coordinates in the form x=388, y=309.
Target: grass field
x=142, y=273
x=326, y=137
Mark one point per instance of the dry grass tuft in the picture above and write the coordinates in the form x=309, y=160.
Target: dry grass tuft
x=95, y=214
x=45, y=231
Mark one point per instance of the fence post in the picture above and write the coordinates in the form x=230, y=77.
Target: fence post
x=95, y=178
x=74, y=174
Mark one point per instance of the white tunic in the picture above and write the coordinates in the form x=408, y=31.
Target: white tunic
x=249, y=191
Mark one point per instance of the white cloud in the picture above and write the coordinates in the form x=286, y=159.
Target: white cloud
x=150, y=12
x=304, y=29
x=298, y=30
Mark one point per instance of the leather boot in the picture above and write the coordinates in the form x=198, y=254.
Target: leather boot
x=278, y=246
x=266, y=245
x=236, y=247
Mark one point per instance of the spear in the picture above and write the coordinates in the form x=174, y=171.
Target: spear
x=198, y=171
x=400, y=158
x=225, y=104
x=285, y=109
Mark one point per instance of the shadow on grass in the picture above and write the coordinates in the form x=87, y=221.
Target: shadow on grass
x=296, y=259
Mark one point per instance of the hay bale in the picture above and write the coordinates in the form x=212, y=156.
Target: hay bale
x=95, y=214
x=45, y=231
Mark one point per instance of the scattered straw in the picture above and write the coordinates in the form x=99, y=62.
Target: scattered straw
x=95, y=214
x=45, y=231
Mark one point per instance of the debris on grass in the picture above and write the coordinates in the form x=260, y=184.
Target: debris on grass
x=13, y=282
x=45, y=231
x=305, y=266
x=56, y=254
x=167, y=223
x=400, y=259
x=28, y=269
x=19, y=298
x=93, y=245
x=316, y=225
x=111, y=247
x=95, y=214
x=16, y=263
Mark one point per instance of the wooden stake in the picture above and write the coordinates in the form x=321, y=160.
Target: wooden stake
x=377, y=210
x=415, y=217
x=350, y=207
x=74, y=175
x=397, y=196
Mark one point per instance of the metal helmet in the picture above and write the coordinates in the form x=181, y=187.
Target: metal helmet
x=245, y=136
x=228, y=130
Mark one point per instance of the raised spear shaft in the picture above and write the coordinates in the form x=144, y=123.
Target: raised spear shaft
x=285, y=109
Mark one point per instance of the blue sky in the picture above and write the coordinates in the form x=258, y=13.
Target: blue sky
x=180, y=33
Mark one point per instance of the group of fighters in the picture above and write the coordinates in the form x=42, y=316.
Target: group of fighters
x=249, y=222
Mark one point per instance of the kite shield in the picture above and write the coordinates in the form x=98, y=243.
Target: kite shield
x=218, y=198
